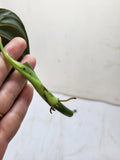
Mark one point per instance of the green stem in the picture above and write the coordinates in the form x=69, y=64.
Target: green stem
x=26, y=70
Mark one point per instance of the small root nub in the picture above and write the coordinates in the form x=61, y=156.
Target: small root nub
x=52, y=109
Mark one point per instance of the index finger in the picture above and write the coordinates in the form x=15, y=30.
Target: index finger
x=15, y=49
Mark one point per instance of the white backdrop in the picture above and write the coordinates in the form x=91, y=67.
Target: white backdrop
x=93, y=133
x=76, y=43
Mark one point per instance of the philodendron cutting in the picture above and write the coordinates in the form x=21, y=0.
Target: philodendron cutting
x=11, y=26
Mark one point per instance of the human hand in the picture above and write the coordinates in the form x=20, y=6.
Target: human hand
x=15, y=94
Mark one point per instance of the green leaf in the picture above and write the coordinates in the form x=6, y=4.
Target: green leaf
x=11, y=26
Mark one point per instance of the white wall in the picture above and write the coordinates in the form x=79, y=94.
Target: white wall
x=77, y=46
x=76, y=43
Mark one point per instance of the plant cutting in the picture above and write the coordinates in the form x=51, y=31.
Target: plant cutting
x=11, y=26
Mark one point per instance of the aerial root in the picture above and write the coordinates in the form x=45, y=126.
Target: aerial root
x=66, y=99
x=52, y=109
